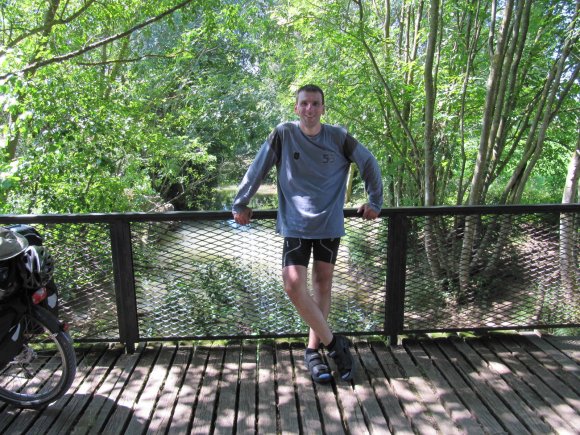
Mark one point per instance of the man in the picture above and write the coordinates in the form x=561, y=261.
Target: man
x=312, y=162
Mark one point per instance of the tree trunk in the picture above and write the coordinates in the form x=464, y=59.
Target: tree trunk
x=481, y=166
x=472, y=49
x=431, y=243
x=493, y=81
x=569, y=233
x=430, y=103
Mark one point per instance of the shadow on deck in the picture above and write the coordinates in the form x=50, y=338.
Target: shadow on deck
x=497, y=384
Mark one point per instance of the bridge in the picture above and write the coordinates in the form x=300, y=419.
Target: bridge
x=181, y=324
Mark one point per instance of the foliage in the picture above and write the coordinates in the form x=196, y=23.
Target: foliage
x=131, y=105
x=143, y=120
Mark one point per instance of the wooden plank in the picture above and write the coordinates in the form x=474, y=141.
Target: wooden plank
x=352, y=413
x=188, y=394
x=226, y=406
x=287, y=406
x=365, y=394
x=495, y=372
x=542, y=370
x=482, y=381
x=554, y=359
x=226, y=389
x=123, y=409
x=515, y=375
x=415, y=411
x=246, y=418
x=425, y=391
x=311, y=420
x=144, y=406
x=162, y=412
x=7, y=416
x=525, y=367
x=267, y=410
x=9, y=413
x=396, y=420
x=46, y=419
x=444, y=391
x=328, y=405
x=468, y=396
x=569, y=346
x=564, y=350
x=83, y=395
x=95, y=416
x=24, y=419
x=204, y=411
x=15, y=420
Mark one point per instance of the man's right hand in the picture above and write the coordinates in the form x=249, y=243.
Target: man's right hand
x=244, y=216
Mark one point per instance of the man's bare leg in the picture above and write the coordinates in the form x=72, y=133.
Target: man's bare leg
x=295, y=285
x=322, y=285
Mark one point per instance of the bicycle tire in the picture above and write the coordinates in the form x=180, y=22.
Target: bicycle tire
x=45, y=369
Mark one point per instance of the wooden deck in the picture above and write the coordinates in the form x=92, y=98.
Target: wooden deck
x=500, y=384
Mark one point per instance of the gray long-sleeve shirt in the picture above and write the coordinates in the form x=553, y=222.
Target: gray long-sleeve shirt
x=312, y=173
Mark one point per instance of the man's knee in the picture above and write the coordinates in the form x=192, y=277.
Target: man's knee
x=294, y=278
x=322, y=274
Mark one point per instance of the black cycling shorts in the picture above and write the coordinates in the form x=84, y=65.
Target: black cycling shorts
x=296, y=252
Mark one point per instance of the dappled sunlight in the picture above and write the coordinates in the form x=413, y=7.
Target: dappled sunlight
x=420, y=387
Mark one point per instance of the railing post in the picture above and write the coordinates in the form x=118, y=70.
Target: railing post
x=396, y=274
x=122, y=256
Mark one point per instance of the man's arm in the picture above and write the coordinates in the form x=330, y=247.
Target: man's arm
x=265, y=159
x=371, y=175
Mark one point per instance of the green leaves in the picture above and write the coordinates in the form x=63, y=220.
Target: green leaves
x=110, y=106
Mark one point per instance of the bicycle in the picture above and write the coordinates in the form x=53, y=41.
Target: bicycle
x=37, y=358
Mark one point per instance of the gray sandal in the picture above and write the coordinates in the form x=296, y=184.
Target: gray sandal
x=340, y=353
x=318, y=369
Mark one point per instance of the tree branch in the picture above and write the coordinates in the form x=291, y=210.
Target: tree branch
x=41, y=63
x=45, y=26
x=381, y=78
x=127, y=60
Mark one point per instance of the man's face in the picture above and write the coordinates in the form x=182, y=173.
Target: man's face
x=309, y=108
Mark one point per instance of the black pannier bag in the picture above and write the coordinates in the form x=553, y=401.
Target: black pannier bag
x=51, y=301
x=33, y=236
x=35, y=239
x=11, y=330
x=11, y=308
x=9, y=280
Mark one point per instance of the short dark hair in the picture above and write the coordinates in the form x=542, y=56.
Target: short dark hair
x=310, y=88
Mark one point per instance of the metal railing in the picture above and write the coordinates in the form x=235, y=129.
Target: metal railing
x=197, y=275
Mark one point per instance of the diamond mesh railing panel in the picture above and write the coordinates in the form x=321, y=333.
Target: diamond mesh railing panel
x=492, y=271
x=84, y=277
x=465, y=269
x=216, y=278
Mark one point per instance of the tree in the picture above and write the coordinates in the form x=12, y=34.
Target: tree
x=505, y=81
x=568, y=229
x=455, y=114
x=105, y=103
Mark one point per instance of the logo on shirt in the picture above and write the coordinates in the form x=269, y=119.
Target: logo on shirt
x=296, y=156
x=327, y=158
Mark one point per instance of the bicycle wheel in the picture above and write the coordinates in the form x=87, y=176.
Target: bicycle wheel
x=45, y=369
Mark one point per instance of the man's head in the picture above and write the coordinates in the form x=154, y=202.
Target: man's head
x=310, y=88
x=309, y=107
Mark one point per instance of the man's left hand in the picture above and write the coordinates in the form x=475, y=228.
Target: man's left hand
x=367, y=212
